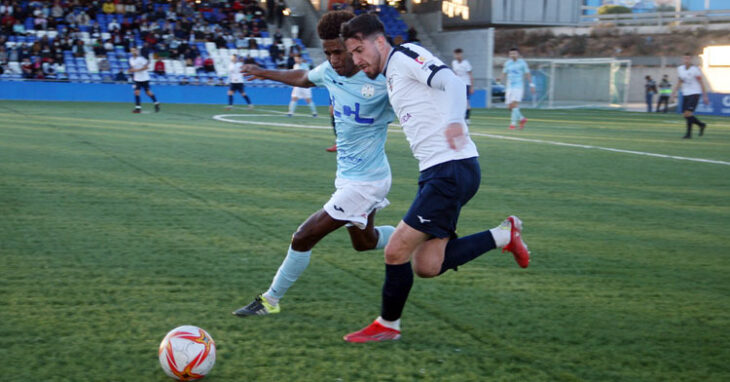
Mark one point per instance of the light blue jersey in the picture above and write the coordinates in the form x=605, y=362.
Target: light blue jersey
x=516, y=71
x=362, y=114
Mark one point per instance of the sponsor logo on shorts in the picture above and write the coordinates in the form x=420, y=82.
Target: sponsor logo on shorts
x=338, y=208
x=423, y=220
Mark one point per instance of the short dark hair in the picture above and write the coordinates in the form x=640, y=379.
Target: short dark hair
x=362, y=26
x=458, y=50
x=328, y=27
x=516, y=49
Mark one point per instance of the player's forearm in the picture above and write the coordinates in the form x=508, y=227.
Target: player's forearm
x=295, y=77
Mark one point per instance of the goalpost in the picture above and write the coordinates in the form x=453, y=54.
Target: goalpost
x=580, y=82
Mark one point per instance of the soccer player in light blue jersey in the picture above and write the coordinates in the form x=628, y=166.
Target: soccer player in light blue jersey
x=516, y=70
x=362, y=113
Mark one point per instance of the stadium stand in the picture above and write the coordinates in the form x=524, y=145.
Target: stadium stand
x=89, y=41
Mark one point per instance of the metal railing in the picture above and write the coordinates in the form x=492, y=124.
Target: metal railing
x=658, y=18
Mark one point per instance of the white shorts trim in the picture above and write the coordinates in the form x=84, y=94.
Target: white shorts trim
x=353, y=201
x=514, y=95
x=301, y=93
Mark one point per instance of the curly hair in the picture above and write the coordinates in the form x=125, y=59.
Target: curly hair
x=328, y=27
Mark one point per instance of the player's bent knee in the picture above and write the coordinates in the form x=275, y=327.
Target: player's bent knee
x=303, y=240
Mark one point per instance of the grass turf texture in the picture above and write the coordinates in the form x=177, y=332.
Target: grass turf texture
x=117, y=228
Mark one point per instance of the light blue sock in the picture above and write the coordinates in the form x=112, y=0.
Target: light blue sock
x=514, y=116
x=519, y=114
x=291, y=268
x=313, y=107
x=292, y=106
x=385, y=231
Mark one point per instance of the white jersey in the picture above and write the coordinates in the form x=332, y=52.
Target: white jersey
x=420, y=108
x=462, y=70
x=139, y=62
x=234, y=73
x=690, y=84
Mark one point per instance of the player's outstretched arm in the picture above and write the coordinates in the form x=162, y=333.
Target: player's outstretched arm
x=298, y=78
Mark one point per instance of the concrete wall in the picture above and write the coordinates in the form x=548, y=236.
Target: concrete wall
x=474, y=44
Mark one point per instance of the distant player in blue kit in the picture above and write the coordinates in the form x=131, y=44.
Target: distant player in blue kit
x=362, y=114
x=516, y=70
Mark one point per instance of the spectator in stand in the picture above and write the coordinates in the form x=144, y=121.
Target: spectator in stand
x=252, y=43
x=198, y=63
x=83, y=19
x=104, y=65
x=113, y=26
x=108, y=7
x=3, y=54
x=413, y=35
x=19, y=28
x=57, y=10
x=130, y=9
x=48, y=69
x=79, y=50
x=70, y=19
x=40, y=20
x=120, y=77
x=209, y=65
x=27, y=68
x=119, y=7
x=6, y=8
x=99, y=48
x=95, y=29
x=278, y=37
x=159, y=67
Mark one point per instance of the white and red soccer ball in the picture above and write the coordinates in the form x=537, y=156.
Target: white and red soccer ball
x=187, y=353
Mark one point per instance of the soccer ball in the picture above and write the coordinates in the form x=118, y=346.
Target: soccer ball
x=187, y=353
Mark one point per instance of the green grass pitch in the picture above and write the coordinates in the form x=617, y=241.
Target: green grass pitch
x=116, y=228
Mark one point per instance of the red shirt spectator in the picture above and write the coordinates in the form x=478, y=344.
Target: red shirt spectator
x=160, y=68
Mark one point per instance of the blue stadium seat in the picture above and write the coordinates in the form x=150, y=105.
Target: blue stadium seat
x=73, y=77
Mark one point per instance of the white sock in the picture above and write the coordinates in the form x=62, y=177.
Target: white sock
x=292, y=107
x=313, y=107
x=395, y=325
x=271, y=299
x=501, y=235
x=513, y=119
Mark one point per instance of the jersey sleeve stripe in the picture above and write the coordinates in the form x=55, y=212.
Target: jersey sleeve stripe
x=434, y=69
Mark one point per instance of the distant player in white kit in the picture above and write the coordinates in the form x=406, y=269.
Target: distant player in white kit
x=139, y=67
x=462, y=69
x=429, y=100
x=301, y=93
x=235, y=82
x=690, y=82
x=516, y=70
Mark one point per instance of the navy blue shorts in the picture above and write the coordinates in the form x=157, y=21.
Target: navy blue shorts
x=468, y=91
x=442, y=191
x=689, y=102
x=236, y=87
x=142, y=85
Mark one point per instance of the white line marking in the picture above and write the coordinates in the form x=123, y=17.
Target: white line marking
x=225, y=118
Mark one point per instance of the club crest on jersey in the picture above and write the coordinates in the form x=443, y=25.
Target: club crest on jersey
x=420, y=59
x=367, y=90
x=390, y=83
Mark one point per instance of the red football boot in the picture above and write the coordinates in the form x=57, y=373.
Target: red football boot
x=516, y=245
x=374, y=332
x=332, y=149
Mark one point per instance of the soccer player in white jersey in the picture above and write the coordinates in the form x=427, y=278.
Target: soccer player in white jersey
x=362, y=113
x=429, y=101
x=235, y=82
x=516, y=70
x=139, y=67
x=691, y=84
x=299, y=92
x=462, y=69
